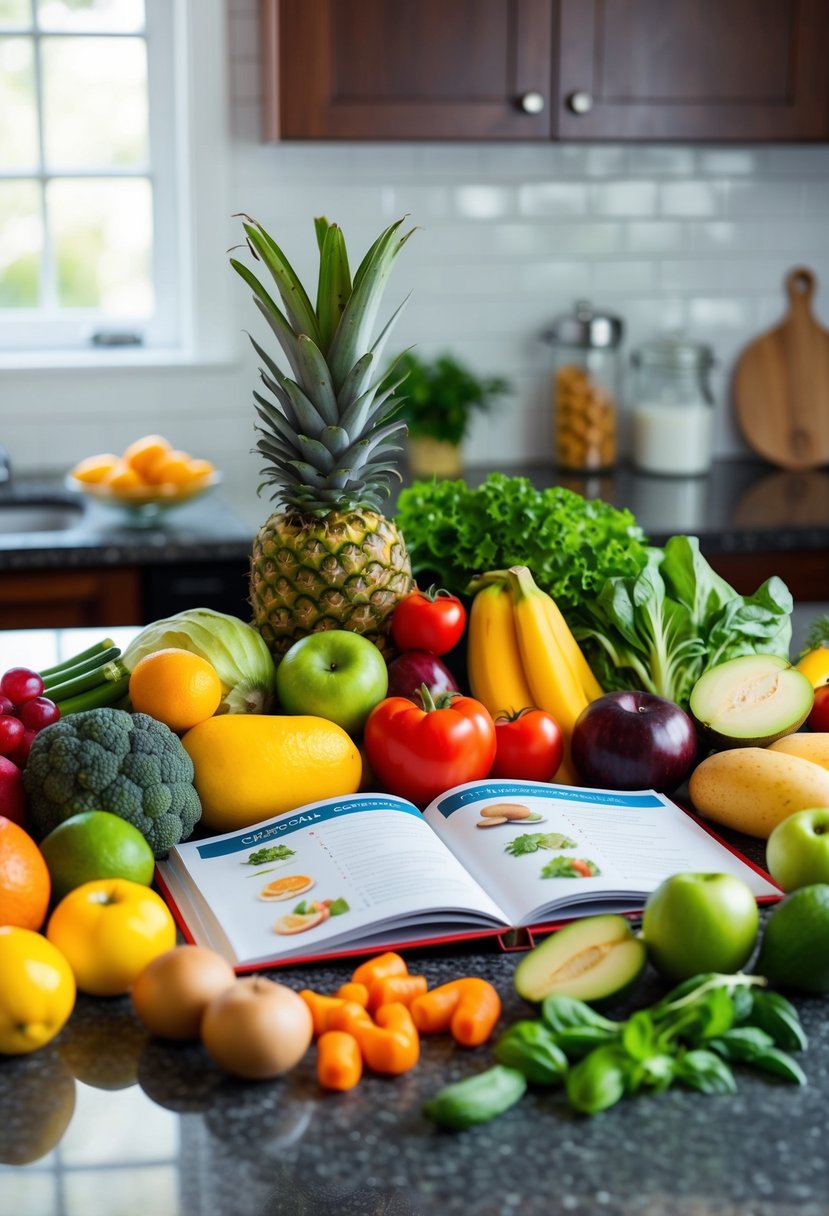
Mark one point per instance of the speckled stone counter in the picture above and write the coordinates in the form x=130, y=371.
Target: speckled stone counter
x=108, y=1120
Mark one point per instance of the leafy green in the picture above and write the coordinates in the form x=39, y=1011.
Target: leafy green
x=274, y=852
x=569, y=867
x=571, y=544
x=662, y=627
x=439, y=397
x=531, y=842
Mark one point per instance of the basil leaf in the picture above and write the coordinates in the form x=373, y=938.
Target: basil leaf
x=742, y=1044
x=779, y=1018
x=638, y=1035
x=598, y=1081
x=742, y=998
x=531, y=1048
x=657, y=1072
x=559, y=1012
x=576, y=1041
x=779, y=1064
x=706, y=1072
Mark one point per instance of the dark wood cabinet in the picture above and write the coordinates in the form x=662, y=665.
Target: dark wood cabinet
x=408, y=69
x=536, y=70
x=47, y=599
x=693, y=69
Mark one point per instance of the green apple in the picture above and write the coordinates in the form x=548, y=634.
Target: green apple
x=700, y=922
x=797, y=851
x=334, y=674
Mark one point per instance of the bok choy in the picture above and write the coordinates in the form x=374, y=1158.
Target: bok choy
x=660, y=629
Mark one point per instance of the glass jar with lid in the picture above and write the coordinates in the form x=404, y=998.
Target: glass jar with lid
x=672, y=410
x=585, y=388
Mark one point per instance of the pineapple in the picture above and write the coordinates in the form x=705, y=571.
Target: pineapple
x=328, y=559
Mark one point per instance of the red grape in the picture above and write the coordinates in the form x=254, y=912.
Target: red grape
x=21, y=684
x=12, y=731
x=21, y=753
x=6, y=706
x=39, y=712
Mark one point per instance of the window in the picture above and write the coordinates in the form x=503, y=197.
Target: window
x=92, y=199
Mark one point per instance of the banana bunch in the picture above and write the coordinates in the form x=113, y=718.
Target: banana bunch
x=521, y=652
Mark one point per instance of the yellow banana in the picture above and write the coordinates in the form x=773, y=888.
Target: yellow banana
x=571, y=650
x=496, y=676
x=552, y=682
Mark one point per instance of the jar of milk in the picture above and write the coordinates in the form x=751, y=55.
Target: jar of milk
x=672, y=414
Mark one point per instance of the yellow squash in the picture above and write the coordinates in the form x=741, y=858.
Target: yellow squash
x=249, y=767
x=752, y=789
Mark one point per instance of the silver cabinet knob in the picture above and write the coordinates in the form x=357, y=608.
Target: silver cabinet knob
x=532, y=103
x=580, y=103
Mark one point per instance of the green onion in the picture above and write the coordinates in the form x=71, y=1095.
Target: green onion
x=89, y=653
x=106, y=673
x=108, y=693
x=94, y=663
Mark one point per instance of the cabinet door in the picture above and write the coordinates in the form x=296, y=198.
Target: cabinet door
x=694, y=69
x=47, y=599
x=407, y=69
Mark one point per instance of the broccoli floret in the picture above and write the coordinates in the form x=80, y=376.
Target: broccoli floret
x=110, y=760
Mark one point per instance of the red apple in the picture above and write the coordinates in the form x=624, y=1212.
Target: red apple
x=634, y=740
x=819, y=716
x=415, y=667
x=12, y=794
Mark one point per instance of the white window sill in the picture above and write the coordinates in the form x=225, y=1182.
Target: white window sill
x=135, y=358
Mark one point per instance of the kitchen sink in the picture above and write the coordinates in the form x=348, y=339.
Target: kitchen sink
x=39, y=516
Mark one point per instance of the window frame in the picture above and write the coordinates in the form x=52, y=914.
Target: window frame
x=186, y=81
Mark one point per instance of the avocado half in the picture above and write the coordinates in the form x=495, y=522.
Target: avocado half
x=750, y=701
x=590, y=959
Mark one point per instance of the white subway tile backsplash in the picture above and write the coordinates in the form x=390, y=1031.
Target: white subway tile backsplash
x=623, y=198
x=727, y=237
x=711, y=314
x=691, y=198
x=697, y=274
x=552, y=198
x=654, y=236
x=621, y=277
x=730, y=162
x=660, y=161
x=798, y=160
x=555, y=280
x=769, y=196
x=483, y=202
x=816, y=199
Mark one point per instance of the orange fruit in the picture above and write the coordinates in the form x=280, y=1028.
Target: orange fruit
x=122, y=477
x=175, y=686
x=94, y=469
x=199, y=468
x=143, y=453
x=24, y=878
x=172, y=468
x=286, y=888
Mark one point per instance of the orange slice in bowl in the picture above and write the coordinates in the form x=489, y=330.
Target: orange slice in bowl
x=94, y=469
x=143, y=453
x=299, y=922
x=286, y=888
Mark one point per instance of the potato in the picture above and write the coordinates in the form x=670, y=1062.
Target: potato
x=172, y=992
x=751, y=789
x=809, y=745
x=257, y=1029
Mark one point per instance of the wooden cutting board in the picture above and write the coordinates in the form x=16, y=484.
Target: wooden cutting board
x=781, y=384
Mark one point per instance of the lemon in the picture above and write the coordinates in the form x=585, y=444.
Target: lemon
x=795, y=948
x=93, y=845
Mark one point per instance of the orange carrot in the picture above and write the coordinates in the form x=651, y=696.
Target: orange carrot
x=432, y=1011
x=353, y=992
x=399, y=988
x=339, y=1060
x=477, y=1012
x=321, y=1007
x=392, y=1045
x=469, y=1008
x=378, y=967
x=348, y=1016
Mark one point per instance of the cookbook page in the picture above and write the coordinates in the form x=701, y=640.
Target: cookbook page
x=327, y=873
x=540, y=848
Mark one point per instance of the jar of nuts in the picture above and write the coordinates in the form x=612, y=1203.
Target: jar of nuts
x=585, y=388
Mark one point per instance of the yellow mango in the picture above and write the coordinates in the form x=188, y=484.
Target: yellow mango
x=249, y=767
x=751, y=789
x=809, y=745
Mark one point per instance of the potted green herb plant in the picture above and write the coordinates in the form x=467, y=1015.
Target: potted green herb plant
x=439, y=399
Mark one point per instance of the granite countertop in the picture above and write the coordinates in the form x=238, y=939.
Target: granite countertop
x=742, y=506
x=135, y=1116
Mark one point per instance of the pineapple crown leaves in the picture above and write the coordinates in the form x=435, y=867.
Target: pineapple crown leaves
x=329, y=435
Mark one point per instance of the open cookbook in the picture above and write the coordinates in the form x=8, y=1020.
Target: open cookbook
x=371, y=871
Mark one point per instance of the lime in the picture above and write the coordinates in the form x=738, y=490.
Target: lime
x=795, y=948
x=92, y=845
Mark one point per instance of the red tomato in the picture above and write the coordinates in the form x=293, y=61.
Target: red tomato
x=819, y=717
x=530, y=746
x=420, y=753
x=430, y=620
